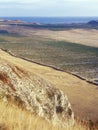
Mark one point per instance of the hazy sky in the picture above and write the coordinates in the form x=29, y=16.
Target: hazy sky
x=48, y=7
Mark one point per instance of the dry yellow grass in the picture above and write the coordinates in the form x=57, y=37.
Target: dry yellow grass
x=14, y=118
x=82, y=95
x=79, y=36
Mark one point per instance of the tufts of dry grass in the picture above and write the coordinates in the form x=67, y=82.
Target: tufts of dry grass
x=82, y=95
x=14, y=118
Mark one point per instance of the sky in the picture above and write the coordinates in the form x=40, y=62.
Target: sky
x=48, y=8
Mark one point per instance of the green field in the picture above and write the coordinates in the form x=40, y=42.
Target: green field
x=76, y=58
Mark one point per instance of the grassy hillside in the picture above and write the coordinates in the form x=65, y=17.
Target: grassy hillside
x=82, y=95
x=13, y=112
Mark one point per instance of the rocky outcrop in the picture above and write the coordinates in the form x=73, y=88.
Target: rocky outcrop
x=36, y=94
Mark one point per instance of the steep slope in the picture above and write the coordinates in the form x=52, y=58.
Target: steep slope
x=35, y=93
x=82, y=95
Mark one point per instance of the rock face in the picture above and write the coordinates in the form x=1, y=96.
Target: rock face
x=38, y=95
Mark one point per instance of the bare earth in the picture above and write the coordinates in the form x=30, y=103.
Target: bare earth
x=82, y=95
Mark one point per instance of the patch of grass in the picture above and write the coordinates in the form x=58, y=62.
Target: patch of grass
x=14, y=118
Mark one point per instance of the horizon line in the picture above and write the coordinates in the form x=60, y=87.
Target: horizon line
x=48, y=16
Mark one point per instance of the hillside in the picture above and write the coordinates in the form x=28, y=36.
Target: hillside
x=82, y=95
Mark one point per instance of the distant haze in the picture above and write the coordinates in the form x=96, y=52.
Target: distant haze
x=49, y=8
